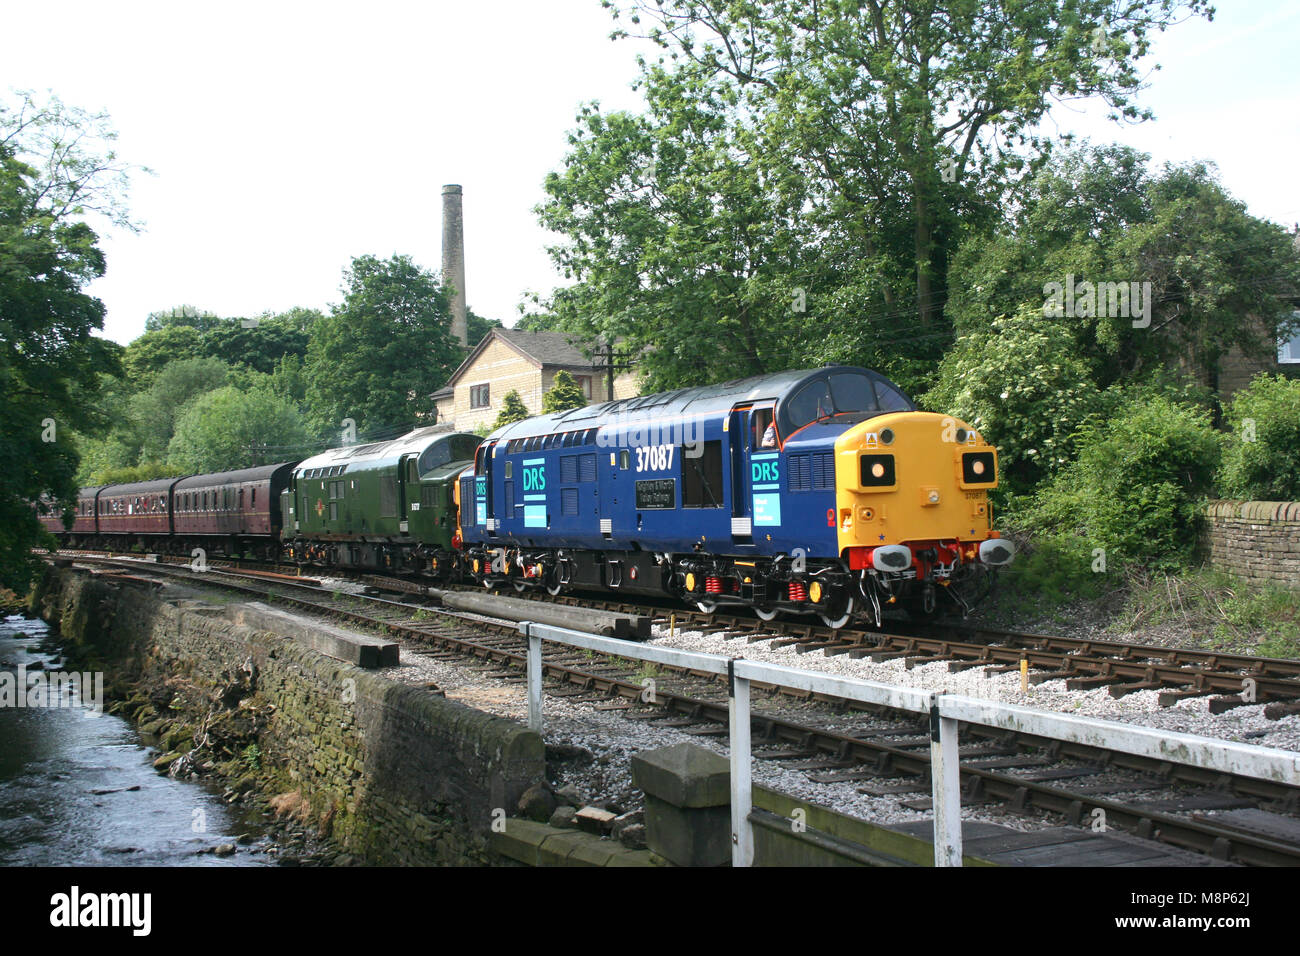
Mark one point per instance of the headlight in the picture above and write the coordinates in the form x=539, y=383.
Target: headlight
x=978, y=468
x=876, y=471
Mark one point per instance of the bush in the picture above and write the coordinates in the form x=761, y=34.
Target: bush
x=1261, y=459
x=1138, y=483
x=1022, y=384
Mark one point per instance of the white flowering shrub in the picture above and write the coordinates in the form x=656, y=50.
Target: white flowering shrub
x=1020, y=382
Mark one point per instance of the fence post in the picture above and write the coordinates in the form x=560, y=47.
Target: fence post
x=945, y=778
x=534, y=679
x=742, y=793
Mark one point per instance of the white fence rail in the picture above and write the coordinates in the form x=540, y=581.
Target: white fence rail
x=944, y=712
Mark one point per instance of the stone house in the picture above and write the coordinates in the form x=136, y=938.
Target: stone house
x=525, y=362
x=1235, y=369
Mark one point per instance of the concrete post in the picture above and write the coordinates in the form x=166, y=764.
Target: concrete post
x=687, y=804
x=453, y=259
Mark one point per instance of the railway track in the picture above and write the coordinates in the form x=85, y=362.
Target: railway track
x=886, y=752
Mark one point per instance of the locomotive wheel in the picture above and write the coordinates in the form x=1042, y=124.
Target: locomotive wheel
x=835, y=623
x=520, y=586
x=766, y=613
x=554, y=589
x=708, y=607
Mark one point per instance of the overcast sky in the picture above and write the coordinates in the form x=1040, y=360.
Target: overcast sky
x=288, y=138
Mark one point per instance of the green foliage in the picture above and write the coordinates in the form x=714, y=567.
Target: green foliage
x=1138, y=483
x=252, y=757
x=802, y=175
x=1020, y=382
x=377, y=357
x=1261, y=457
x=1097, y=215
x=565, y=393
x=476, y=327
x=145, y=471
x=1225, y=612
x=154, y=411
x=1052, y=569
x=153, y=351
x=227, y=429
x=513, y=409
x=50, y=363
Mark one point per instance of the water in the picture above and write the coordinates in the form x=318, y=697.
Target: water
x=82, y=791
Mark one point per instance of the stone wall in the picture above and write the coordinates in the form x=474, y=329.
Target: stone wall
x=396, y=774
x=1258, y=540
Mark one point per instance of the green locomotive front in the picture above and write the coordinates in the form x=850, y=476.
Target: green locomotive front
x=381, y=506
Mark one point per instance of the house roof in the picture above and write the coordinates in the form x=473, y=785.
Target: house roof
x=541, y=348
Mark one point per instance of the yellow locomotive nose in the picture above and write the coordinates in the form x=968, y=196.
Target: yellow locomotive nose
x=912, y=477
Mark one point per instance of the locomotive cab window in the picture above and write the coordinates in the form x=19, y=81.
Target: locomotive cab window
x=702, y=478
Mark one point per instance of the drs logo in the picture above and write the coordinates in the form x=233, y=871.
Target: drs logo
x=535, y=478
x=765, y=471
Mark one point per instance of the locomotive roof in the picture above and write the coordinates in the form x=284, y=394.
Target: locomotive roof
x=380, y=451
x=232, y=477
x=680, y=402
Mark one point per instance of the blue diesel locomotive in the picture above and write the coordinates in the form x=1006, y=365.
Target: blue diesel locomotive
x=819, y=491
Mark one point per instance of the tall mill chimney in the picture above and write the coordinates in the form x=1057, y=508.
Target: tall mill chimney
x=453, y=259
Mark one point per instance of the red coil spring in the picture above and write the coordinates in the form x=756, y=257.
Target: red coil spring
x=712, y=585
x=798, y=591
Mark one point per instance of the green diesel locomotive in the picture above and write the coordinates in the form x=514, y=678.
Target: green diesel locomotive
x=386, y=505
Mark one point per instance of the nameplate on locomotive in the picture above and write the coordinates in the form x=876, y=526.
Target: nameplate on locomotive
x=656, y=493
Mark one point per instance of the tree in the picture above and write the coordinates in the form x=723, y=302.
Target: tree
x=376, y=356
x=182, y=316
x=154, y=411
x=1260, y=457
x=261, y=342
x=149, y=353
x=882, y=113
x=565, y=393
x=1209, y=275
x=513, y=410
x=227, y=429
x=50, y=363
x=476, y=327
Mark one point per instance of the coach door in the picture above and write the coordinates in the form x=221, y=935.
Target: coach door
x=408, y=489
x=755, y=473
x=737, y=432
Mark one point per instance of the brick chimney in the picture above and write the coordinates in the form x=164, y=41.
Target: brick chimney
x=453, y=259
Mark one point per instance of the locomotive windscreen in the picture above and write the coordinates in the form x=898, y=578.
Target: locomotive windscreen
x=842, y=393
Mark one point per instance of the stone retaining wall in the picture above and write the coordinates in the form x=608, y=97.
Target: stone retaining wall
x=396, y=774
x=1259, y=540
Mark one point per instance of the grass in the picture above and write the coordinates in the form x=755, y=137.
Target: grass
x=1054, y=585
x=1229, y=614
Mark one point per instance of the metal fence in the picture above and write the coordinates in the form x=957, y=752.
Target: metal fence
x=944, y=711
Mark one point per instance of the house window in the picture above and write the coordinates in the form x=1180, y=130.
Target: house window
x=479, y=396
x=585, y=382
x=1288, y=350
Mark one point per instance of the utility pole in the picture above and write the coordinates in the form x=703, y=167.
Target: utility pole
x=611, y=366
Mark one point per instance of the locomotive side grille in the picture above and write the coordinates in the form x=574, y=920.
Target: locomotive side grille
x=587, y=467
x=800, y=473
x=568, y=469
x=823, y=471
x=568, y=501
